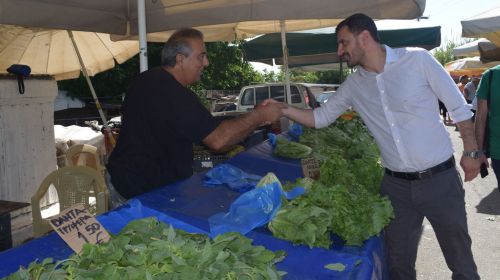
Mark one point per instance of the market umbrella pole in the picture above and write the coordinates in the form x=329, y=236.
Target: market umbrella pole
x=285, y=60
x=97, y=103
x=143, y=45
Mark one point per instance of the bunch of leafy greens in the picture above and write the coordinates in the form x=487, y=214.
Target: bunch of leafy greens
x=290, y=149
x=345, y=200
x=147, y=249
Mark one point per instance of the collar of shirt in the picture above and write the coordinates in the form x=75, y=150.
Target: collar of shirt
x=390, y=57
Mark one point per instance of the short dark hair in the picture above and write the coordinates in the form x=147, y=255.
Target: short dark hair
x=178, y=43
x=357, y=23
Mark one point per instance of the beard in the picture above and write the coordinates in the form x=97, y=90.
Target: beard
x=348, y=59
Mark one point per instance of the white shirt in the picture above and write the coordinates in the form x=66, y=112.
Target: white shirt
x=400, y=108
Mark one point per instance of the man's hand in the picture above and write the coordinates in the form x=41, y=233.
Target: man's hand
x=470, y=167
x=268, y=101
x=484, y=159
x=270, y=111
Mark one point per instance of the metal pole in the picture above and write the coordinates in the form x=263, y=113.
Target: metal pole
x=97, y=103
x=143, y=46
x=285, y=60
x=284, y=122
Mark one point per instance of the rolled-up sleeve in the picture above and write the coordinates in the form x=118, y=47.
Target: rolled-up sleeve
x=333, y=108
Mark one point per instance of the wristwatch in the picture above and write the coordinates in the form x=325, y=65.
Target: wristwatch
x=473, y=154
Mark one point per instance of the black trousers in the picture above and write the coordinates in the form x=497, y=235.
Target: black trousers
x=440, y=199
x=495, y=164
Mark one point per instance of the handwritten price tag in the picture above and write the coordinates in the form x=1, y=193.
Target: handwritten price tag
x=77, y=226
x=310, y=168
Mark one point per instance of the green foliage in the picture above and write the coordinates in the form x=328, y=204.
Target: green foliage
x=320, y=77
x=114, y=82
x=147, y=249
x=345, y=200
x=290, y=149
x=227, y=70
x=270, y=77
x=332, y=76
x=444, y=54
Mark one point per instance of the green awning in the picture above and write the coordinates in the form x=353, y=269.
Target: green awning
x=321, y=48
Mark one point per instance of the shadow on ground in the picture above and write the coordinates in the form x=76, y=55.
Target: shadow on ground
x=490, y=204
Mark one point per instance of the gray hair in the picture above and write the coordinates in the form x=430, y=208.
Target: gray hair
x=178, y=44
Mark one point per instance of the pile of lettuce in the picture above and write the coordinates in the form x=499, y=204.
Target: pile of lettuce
x=148, y=249
x=345, y=200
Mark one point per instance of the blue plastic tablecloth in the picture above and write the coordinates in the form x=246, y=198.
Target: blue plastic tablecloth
x=187, y=204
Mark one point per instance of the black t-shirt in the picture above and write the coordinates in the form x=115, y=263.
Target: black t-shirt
x=161, y=119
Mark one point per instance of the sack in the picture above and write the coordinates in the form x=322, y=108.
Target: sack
x=230, y=175
x=250, y=210
x=20, y=71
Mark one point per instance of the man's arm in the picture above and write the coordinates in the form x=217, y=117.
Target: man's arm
x=231, y=132
x=302, y=116
x=480, y=126
x=469, y=165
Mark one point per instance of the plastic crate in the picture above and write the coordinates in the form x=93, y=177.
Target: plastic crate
x=204, y=161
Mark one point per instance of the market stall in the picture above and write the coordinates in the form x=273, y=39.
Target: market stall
x=188, y=204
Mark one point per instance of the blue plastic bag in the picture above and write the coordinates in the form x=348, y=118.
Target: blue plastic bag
x=235, y=178
x=295, y=131
x=252, y=209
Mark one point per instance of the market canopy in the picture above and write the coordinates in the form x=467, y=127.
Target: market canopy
x=469, y=49
x=223, y=19
x=470, y=66
x=486, y=50
x=51, y=52
x=483, y=25
x=321, y=48
x=219, y=19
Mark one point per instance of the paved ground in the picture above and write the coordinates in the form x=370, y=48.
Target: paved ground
x=483, y=212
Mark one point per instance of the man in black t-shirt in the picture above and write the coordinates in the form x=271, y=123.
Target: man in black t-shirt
x=162, y=118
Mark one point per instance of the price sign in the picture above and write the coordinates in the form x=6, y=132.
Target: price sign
x=310, y=168
x=77, y=226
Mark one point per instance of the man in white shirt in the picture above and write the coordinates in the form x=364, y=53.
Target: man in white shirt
x=396, y=92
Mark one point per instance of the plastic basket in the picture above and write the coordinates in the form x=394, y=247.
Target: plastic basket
x=204, y=161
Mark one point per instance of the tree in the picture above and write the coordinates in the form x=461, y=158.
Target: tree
x=227, y=70
x=444, y=54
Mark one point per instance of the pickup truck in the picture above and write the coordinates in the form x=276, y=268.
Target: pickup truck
x=303, y=95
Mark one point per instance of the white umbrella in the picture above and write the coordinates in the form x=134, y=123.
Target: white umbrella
x=469, y=49
x=471, y=66
x=483, y=25
x=51, y=52
x=225, y=17
x=63, y=54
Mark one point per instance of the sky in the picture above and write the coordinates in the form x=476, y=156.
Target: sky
x=445, y=13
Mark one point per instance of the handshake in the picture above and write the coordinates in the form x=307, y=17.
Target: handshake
x=270, y=110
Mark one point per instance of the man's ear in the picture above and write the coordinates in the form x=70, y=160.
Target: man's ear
x=365, y=37
x=179, y=58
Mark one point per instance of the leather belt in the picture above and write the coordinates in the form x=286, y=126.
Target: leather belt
x=420, y=175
